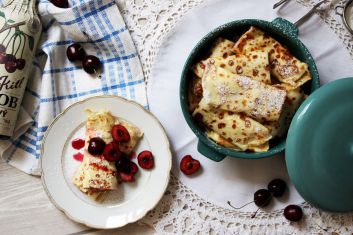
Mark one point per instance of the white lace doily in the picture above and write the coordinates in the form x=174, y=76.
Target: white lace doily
x=181, y=210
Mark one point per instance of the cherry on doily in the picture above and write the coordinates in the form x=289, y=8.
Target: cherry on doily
x=293, y=213
x=262, y=198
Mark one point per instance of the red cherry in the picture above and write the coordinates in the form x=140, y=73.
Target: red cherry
x=91, y=64
x=277, y=187
x=120, y=133
x=75, y=52
x=145, y=160
x=126, y=177
x=123, y=164
x=293, y=212
x=112, y=152
x=60, y=3
x=188, y=165
x=20, y=63
x=262, y=197
x=10, y=66
x=133, y=168
x=2, y=58
x=96, y=146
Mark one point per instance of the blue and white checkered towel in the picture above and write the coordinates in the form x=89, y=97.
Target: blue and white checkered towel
x=55, y=82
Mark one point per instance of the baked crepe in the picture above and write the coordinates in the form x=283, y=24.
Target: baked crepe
x=220, y=140
x=225, y=90
x=95, y=174
x=194, y=93
x=100, y=123
x=222, y=48
x=243, y=132
x=254, y=65
x=293, y=100
x=284, y=66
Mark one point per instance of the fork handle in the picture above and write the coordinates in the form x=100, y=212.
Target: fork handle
x=279, y=3
x=305, y=17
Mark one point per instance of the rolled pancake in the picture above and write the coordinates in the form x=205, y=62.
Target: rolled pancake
x=293, y=100
x=225, y=90
x=284, y=66
x=243, y=132
x=220, y=140
x=254, y=65
x=222, y=48
x=194, y=93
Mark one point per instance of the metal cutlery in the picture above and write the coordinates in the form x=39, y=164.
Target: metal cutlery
x=279, y=3
x=309, y=13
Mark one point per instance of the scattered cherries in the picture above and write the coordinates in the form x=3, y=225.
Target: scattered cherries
x=123, y=164
x=96, y=146
x=263, y=197
x=75, y=52
x=120, y=133
x=189, y=165
x=277, y=187
x=126, y=168
x=145, y=160
x=293, y=213
x=90, y=63
x=112, y=152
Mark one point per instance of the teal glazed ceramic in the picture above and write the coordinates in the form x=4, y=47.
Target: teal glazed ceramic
x=319, y=150
x=280, y=29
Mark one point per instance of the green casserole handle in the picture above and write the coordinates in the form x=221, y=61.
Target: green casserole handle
x=209, y=153
x=286, y=27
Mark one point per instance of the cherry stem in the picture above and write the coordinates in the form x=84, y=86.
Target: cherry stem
x=238, y=207
x=253, y=215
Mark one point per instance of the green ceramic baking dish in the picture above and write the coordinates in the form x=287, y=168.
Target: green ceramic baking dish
x=283, y=31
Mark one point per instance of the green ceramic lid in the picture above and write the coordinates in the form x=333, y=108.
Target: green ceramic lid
x=319, y=148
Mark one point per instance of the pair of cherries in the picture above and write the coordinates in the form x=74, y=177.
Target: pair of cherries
x=275, y=188
x=90, y=63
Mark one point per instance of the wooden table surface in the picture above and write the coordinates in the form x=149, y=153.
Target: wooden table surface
x=26, y=209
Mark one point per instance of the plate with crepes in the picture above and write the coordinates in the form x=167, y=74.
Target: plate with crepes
x=88, y=179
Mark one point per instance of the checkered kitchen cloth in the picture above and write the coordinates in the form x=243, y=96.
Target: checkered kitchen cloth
x=55, y=82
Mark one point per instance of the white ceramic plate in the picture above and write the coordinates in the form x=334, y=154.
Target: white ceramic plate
x=132, y=200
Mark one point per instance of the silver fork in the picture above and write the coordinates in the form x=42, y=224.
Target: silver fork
x=279, y=3
x=307, y=15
